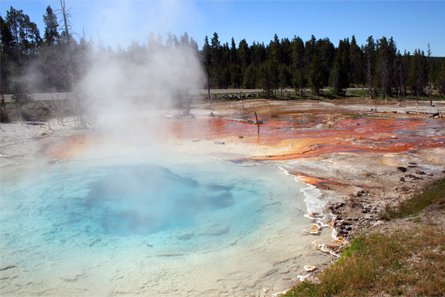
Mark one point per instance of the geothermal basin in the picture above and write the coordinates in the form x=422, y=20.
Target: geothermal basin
x=204, y=206
x=150, y=220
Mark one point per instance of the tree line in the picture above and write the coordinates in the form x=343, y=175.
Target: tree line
x=34, y=63
x=317, y=63
x=55, y=61
x=31, y=62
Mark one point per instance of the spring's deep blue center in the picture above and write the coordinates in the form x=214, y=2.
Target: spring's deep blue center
x=145, y=199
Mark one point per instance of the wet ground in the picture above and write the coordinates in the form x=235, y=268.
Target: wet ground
x=316, y=130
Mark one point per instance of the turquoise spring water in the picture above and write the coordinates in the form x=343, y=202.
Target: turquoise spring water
x=81, y=214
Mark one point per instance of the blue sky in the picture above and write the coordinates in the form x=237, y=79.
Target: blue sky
x=413, y=24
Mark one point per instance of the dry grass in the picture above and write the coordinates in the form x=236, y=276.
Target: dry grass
x=432, y=194
x=400, y=263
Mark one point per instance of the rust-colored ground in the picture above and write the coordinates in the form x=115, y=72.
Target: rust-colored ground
x=289, y=133
x=317, y=132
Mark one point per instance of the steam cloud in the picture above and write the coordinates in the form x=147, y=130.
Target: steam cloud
x=158, y=74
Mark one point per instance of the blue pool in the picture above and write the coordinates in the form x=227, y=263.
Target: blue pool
x=81, y=228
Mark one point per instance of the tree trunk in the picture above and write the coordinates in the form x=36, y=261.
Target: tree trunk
x=65, y=18
x=3, y=114
x=77, y=104
x=208, y=87
x=257, y=123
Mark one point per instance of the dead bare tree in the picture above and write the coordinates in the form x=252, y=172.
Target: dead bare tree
x=58, y=114
x=65, y=14
x=208, y=87
x=429, y=86
x=76, y=98
x=257, y=123
x=3, y=113
x=20, y=99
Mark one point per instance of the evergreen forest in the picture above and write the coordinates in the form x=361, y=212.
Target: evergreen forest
x=52, y=60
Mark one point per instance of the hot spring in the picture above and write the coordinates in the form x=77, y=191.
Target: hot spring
x=159, y=226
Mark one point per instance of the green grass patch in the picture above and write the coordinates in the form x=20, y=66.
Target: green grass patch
x=433, y=193
x=408, y=262
x=358, y=270
x=357, y=244
x=401, y=263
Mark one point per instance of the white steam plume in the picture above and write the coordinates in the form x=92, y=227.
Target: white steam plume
x=117, y=84
x=159, y=74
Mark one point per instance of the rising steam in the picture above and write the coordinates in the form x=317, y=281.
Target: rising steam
x=161, y=75
x=158, y=74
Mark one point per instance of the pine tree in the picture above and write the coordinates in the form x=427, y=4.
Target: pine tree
x=51, y=54
x=386, y=56
x=429, y=84
x=8, y=57
x=243, y=54
x=243, y=57
x=315, y=75
x=258, y=53
x=356, y=74
x=233, y=52
x=283, y=77
x=26, y=42
x=207, y=63
x=224, y=80
x=266, y=79
x=341, y=68
x=234, y=67
x=6, y=46
x=51, y=36
x=370, y=65
x=24, y=32
x=249, y=77
x=258, y=58
x=313, y=65
x=401, y=73
x=286, y=52
x=273, y=63
x=194, y=46
x=321, y=54
x=215, y=61
x=418, y=73
x=310, y=48
x=441, y=79
x=326, y=53
x=298, y=65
